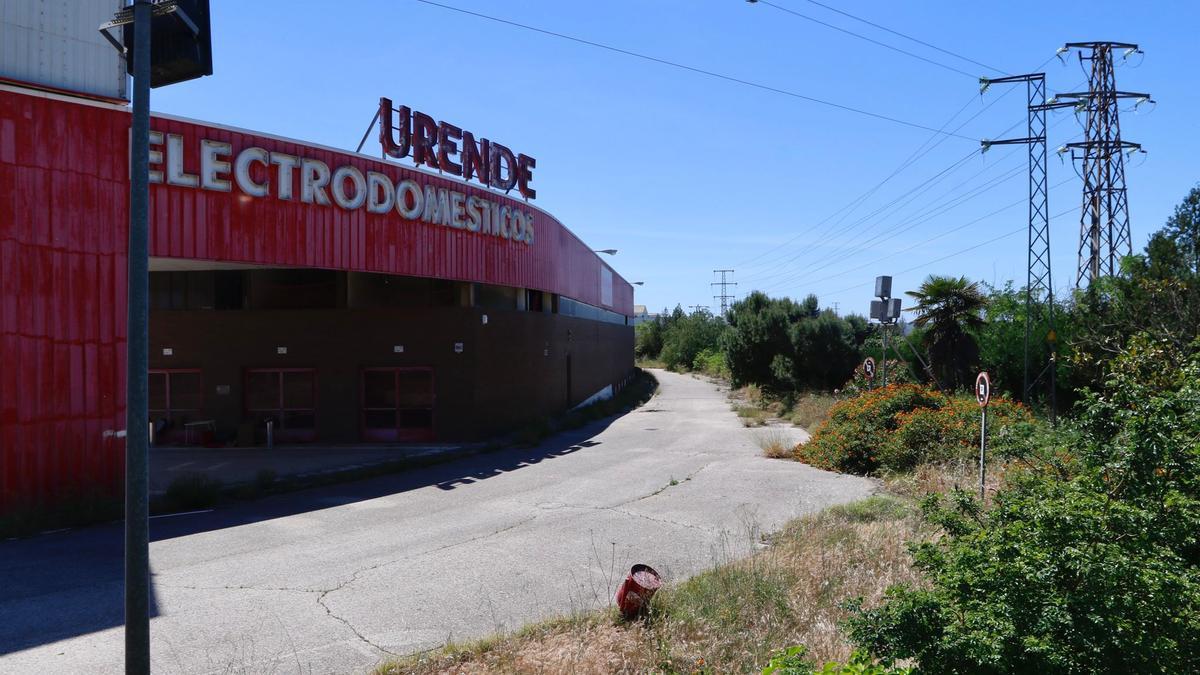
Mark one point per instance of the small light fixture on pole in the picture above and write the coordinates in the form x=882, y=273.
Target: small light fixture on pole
x=609, y=251
x=885, y=310
x=639, y=283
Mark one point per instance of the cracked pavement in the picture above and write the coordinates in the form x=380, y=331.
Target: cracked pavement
x=336, y=579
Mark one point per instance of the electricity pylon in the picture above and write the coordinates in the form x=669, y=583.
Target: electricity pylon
x=724, y=283
x=1038, y=279
x=1104, y=221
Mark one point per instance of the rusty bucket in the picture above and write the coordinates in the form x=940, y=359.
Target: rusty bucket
x=633, y=596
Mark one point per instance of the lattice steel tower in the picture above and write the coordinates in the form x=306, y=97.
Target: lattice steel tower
x=1104, y=221
x=1038, y=281
x=725, y=296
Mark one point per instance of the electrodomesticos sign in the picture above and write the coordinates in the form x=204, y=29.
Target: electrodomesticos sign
x=447, y=148
x=261, y=173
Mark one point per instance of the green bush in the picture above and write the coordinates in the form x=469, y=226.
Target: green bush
x=794, y=661
x=1098, y=571
x=711, y=361
x=894, y=428
x=785, y=346
x=898, y=372
x=849, y=440
x=687, y=336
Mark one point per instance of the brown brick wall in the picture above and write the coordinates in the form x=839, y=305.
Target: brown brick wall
x=502, y=380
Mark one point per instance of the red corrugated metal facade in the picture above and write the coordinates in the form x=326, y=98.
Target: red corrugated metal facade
x=63, y=219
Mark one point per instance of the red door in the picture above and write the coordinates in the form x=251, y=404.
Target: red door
x=397, y=404
x=285, y=396
x=176, y=398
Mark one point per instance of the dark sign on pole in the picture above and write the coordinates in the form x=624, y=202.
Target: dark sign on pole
x=869, y=368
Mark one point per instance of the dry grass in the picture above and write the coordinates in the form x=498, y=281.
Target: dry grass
x=752, y=416
x=776, y=443
x=941, y=477
x=728, y=619
x=812, y=409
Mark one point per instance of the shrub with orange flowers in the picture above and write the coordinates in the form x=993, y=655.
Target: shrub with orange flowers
x=897, y=427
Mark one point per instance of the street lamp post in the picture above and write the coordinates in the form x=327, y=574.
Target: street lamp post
x=180, y=31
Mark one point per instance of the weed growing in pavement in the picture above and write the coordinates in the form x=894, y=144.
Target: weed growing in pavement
x=752, y=417
x=775, y=443
x=811, y=409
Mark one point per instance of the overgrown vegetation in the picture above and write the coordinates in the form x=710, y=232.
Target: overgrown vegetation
x=1088, y=562
x=901, y=426
x=734, y=618
x=777, y=344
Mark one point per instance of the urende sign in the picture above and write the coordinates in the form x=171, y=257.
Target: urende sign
x=448, y=148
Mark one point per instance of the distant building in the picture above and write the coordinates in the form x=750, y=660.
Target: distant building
x=640, y=315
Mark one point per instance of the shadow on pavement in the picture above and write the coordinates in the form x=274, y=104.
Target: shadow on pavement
x=66, y=584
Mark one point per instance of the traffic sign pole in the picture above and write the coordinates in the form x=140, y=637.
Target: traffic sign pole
x=883, y=361
x=982, y=452
x=983, y=395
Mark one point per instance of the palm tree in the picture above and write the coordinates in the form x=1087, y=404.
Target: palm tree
x=951, y=309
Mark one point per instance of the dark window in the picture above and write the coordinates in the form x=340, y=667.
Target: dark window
x=397, y=404
x=293, y=289
x=203, y=289
x=534, y=301
x=229, y=289
x=488, y=296
x=285, y=396
x=176, y=396
x=450, y=293
x=379, y=291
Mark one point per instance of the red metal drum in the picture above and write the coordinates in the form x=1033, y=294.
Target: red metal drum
x=633, y=596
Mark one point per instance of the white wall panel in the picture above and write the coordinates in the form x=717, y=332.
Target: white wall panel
x=55, y=42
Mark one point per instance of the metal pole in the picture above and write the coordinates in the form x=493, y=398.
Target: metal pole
x=982, y=453
x=883, y=362
x=137, y=511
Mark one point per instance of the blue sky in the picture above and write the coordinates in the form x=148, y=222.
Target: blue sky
x=684, y=173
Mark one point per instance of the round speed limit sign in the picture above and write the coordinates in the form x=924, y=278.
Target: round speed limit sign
x=983, y=389
x=869, y=368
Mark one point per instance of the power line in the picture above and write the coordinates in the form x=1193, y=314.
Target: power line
x=852, y=204
x=936, y=237
x=920, y=188
x=916, y=155
x=909, y=37
x=833, y=232
x=805, y=275
x=911, y=221
x=693, y=69
x=864, y=37
x=919, y=219
x=993, y=240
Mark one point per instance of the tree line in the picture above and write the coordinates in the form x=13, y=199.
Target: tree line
x=960, y=327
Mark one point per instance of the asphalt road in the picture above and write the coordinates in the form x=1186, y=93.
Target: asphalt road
x=334, y=579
